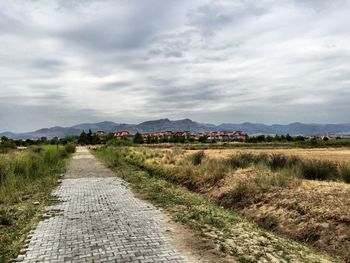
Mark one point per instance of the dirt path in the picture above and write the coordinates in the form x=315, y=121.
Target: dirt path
x=100, y=220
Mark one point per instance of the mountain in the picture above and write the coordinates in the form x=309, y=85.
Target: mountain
x=60, y=132
x=168, y=125
x=100, y=126
x=186, y=125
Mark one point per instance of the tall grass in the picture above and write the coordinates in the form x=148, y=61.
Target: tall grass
x=23, y=173
x=26, y=179
x=344, y=171
x=307, y=169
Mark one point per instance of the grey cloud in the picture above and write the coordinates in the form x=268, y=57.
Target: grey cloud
x=217, y=14
x=115, y=86
x=176, y=54
x=47, y=64
x=20, y=118
x=214, y=61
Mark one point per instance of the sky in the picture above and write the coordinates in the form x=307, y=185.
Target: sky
x=64, y=62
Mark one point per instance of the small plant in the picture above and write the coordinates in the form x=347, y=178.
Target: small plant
x=269, y=222
x=311, y=234
x=198, y=157
x=7, y=217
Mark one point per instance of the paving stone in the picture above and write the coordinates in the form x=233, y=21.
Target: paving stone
x=99, y=220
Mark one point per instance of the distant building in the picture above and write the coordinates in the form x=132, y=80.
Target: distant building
x=100, y=133
x=123, y=135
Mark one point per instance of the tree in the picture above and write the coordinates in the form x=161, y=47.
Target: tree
x=289, y=138
x=138, y=138
x=203, y=139
x=83, y=139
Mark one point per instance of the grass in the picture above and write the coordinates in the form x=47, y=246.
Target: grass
x=345, y=173
x=26, y=180
x=236, y=236
x=254, y=180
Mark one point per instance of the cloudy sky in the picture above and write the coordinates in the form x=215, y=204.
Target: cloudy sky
x=64, y=62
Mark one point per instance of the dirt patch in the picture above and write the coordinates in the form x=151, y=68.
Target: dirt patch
x=196, y=247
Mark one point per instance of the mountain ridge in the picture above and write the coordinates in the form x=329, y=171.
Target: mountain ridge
x=295, y=128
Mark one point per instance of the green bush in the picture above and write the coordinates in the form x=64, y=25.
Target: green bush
x=70, y=148
x=121, y=143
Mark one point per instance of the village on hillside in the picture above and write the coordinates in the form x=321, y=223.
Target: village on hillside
x=170, y=136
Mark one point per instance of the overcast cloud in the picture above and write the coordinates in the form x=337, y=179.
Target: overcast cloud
x=65, y=62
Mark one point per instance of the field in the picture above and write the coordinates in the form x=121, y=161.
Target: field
x=329, y=154
x=299, y=193
x=26, y=179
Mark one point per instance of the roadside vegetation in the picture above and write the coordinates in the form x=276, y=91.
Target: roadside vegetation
x=26, y=180
x=160, y=176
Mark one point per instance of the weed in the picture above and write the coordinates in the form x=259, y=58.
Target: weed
x=269, y=222
x=311, y=234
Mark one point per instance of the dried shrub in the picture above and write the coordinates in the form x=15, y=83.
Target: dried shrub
x=198, y=157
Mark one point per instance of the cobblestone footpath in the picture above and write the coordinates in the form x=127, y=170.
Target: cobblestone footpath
x=99, y=220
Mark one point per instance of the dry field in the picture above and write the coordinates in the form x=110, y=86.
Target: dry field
x=330, y=154
x=316, y=213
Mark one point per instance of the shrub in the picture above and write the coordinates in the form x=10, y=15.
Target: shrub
x=198, y=157
x=310, y=234
x=277, y=161
x=318, y=170
x=36, y=149
x=121, y=143
x=213, y=170
x=345, y=173
x=242, y=160
x=241, y=193
x=70, y=148
x=293, y=161
x=269, y=221
x=7, y=216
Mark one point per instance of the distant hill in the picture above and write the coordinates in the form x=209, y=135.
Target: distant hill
x=186, y=125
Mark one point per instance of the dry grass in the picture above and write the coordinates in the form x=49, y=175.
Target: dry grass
x=330, y=154
x=236, y=237
x=268, y=188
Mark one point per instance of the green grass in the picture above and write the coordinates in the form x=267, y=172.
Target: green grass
x=234, y=235
x=26, y=180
